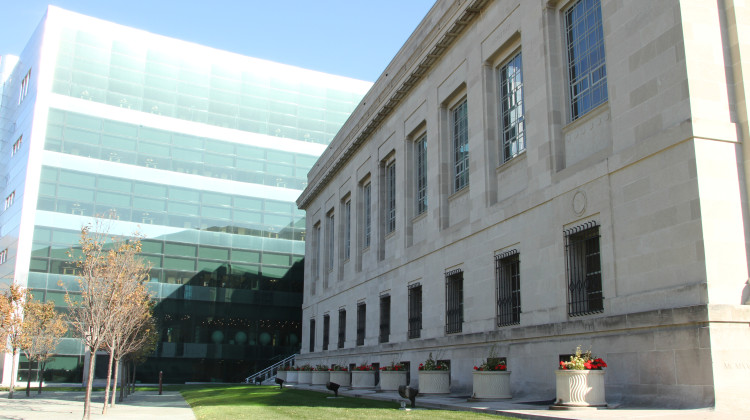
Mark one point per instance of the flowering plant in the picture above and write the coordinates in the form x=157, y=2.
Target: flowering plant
x=583, y=361
x=364, y=368
x=321, y=368
x=393, y=367
x=431, y=364
x=285, y=368
x=306, y=368
x=338, y=368
x=486, y=365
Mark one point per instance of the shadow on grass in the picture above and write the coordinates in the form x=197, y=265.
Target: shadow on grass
x=273, y=396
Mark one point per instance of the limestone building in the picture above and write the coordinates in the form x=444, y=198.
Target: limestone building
x=202, y=151
x=536, y=175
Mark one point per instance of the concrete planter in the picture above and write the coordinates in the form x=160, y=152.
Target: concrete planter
x=292, y=376
x=580, y=388
x=434, y=382
x=281, y=374
x=304, y=377
x=363, y=379
x=340, y=377
x=320, y=377
x=390, y=380
x=491, y=384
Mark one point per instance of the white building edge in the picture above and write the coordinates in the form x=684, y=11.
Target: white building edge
x=652, y=171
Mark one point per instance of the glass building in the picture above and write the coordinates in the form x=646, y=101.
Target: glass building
x=203, y=152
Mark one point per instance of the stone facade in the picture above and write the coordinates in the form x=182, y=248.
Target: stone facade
x=654, y=172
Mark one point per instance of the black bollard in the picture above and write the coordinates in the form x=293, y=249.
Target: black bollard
x=161, y=373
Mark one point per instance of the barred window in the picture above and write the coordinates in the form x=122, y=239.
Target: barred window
x=421, y=172
x=415, y=310
x=587, y=71
x=316, y=259
x=460, y=140
x=454, y=301
x=330, y=239
x=326, y=330
x=361, y=323
x=312, y=335
x=367, y=191
x=347, y=229
x=584, y=272
x=508, y=278
x=511, y=109
x=342, y=328
x=385, y=319
x=390, y=197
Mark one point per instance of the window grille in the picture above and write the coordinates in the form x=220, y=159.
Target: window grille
x=460, y=137
x=508, y=277
x=415, y=310
x=385, y=319
x=587, y=71
x=421, y=157
x=342, y=328
x=330, y=239
x=312, y=335
x=347, y=229
x=326, y=330
x=316, y=260
x=390, y=182
x=367, y=190
x=512, y=123
x=361, y=323
x=583, y=267
x=454, y=301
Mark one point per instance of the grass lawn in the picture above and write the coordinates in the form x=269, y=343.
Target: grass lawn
x=269, y=402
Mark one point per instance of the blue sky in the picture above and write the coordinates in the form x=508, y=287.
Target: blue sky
x=353, y=38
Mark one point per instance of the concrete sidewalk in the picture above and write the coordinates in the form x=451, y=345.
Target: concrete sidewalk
x=536, y=410
x=68, y=405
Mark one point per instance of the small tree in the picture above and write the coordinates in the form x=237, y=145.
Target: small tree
x=43, y=327
x=141, y=346
x=12, y=327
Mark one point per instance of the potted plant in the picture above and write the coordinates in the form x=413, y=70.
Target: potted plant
x=392, y=376
x=434, y=377
x=491, y=380
x=580, y=381
x=292, y=375
x=304, y=376
x=340, y=374
x=363, y=376
x=320, y=375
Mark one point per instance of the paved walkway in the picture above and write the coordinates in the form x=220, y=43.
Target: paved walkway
x=514, y=408
x=65, y=405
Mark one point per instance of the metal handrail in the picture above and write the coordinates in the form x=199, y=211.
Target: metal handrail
x=270, y=371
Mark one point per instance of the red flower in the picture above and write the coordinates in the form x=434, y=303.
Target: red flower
x=476, y=368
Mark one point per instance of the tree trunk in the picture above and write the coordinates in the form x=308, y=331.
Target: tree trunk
x=42, y=365
x=13, y=373
x=89, y=385
x=109, y=379
x=123, y=381
x=114, y=383
x=28, y=381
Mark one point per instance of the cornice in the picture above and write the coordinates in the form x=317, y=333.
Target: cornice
x=389, y=98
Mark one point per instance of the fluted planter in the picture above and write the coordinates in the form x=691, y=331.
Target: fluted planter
x=320, y=377
x=281, y=374
x=491, y=384
x=390, y=380
x=292, y=376
x=363, y=379
x=341, y=377
x=304, y=377
x=580, y=388
x=434, y=382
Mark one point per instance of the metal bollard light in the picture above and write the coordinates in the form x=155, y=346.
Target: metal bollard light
x=161, y=373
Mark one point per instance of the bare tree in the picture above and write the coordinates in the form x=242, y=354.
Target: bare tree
x=12, y=326
x=42, y=329
x=95, y=307
x=143, y=344
x=131, y=312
